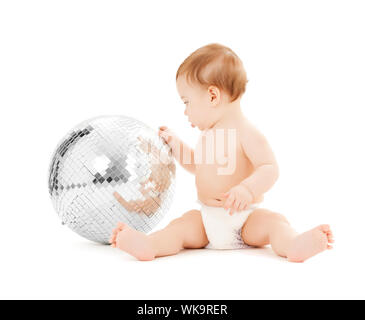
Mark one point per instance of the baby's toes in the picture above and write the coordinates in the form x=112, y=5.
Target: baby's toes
x=113, y=235
x=325, y=228
x=112, y=239
x=330, y=236
x=120, y=226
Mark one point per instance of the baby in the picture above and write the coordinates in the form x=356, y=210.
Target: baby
x=233, y=166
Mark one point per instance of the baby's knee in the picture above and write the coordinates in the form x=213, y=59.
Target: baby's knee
x=192, y=214
x=187, y=217
x=194, y=231
x=278, y=217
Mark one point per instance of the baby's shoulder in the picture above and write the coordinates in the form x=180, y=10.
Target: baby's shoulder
x=250, y=135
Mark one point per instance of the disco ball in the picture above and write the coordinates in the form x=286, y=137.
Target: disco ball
x=110, y=169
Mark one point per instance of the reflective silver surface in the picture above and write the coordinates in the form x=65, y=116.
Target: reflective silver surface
x=111, y=169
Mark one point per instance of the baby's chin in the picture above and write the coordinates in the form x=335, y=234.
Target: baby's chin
x=197, y=126
x=200, y=127
x=203, y=128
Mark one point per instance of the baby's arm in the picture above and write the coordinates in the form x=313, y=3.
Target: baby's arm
x=266, y=170
x=180, y=150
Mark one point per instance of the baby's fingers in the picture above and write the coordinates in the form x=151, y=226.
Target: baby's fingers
x=235, y=206
x=231, y=208
x=241, y=206
x=161, y=129
x=229, y=202
x=165, y=136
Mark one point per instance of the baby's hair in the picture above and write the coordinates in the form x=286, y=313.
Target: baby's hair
x=226, y=72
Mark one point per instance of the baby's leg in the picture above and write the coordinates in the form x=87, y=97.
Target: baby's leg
x=266, y=227
x=184, y=232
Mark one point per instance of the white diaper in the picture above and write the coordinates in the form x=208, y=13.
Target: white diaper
x=224, y=230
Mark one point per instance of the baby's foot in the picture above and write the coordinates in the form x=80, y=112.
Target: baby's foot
x=134, y=242
x=310, y=243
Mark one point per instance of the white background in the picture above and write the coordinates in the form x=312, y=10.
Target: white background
x=62, y=62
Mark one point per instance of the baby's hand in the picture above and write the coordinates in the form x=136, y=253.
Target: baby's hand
x=166, y=134
x=238, y=198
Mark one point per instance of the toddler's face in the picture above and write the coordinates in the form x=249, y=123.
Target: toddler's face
x=198, y=106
